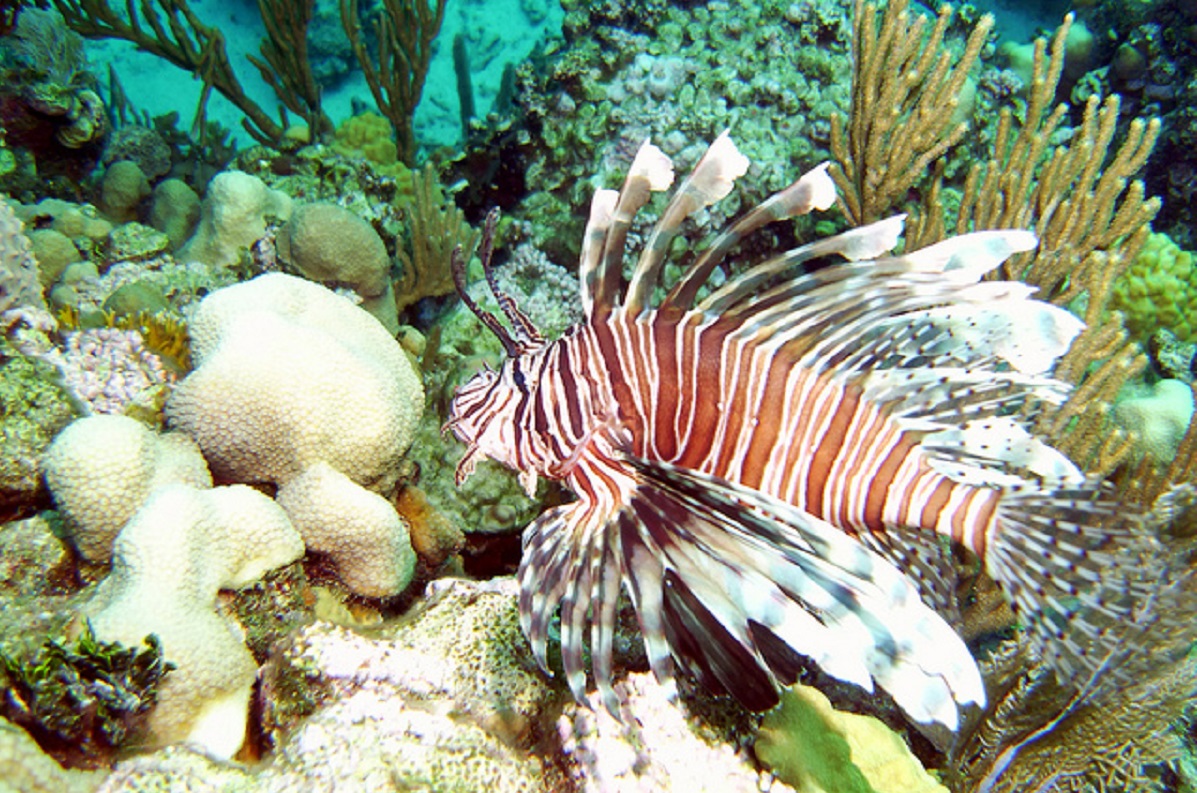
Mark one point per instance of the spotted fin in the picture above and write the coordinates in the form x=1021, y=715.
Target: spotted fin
x=733, y=583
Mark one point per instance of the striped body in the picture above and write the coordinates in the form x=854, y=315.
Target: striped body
x=694, y=393
x=765, y=468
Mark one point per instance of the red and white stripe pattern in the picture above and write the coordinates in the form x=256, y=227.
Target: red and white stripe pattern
x=747, y=461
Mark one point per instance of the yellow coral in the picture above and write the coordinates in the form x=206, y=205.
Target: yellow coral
x=370, y=137
x=1159, y=290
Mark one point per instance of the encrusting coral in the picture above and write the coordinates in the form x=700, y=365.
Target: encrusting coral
x=290, y=376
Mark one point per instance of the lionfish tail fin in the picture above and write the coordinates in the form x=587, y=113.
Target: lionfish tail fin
x=736, y=585
x=1076, y=567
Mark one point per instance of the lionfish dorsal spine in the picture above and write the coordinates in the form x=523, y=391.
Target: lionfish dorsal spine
x=814, y=190
x=710, y=181
x=651, y=171
x=595, y=282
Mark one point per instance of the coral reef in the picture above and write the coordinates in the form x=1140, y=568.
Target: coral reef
x=34, y=408
x=1158, y=415
x=109, y=369
x=333, y=246
x=1159, y=290
x=28, y=770
x=84, y=703
x=692, y=744
x=19, y=284
x=359, y=530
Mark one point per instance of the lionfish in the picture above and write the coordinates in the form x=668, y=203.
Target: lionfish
x=762, y=462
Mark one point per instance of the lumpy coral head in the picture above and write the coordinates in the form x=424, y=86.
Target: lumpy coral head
x=290, y=374
x=359, y=530
x=101, y=469
x=170, y=561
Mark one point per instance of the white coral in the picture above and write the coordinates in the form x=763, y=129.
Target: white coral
x=358, y=529
x=170, y=561
x=290, y=377
x=101, y=469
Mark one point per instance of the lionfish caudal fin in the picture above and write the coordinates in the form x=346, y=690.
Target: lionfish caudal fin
x=736, y=586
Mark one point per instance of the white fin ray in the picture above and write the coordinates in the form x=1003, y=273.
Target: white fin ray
x=967, y=257
x=814, y=190
x=998, y=452
x=602, y=211
x=710, y=181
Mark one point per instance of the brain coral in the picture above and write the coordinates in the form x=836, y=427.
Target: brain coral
x=330, y=244
x=170, y=561
x=1159, y=290
x=289, y=376
x=101, y=469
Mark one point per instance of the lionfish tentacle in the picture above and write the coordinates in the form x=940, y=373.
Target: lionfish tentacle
x=525, y=332
x=458, y=268
x=770, y=471
x=711, y=180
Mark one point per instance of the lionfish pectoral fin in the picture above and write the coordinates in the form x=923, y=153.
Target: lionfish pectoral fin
x=738, y=584
x=528, y=480
x=570, y=563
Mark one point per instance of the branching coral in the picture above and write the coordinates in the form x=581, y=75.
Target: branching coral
x=284, y=64
x=405, y=30
x=434, y=226
x=904, y=89
x=173, y=32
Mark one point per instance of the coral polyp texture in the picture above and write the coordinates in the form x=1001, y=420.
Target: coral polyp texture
x=181, y=548
x=101, y=469
x=1159, y=290
x=290, y=376
x=233, y=217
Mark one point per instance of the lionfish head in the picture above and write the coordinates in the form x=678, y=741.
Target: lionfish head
x=484, y=412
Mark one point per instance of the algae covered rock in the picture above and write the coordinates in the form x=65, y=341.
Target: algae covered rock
x=34, y=408
x=817, y=749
